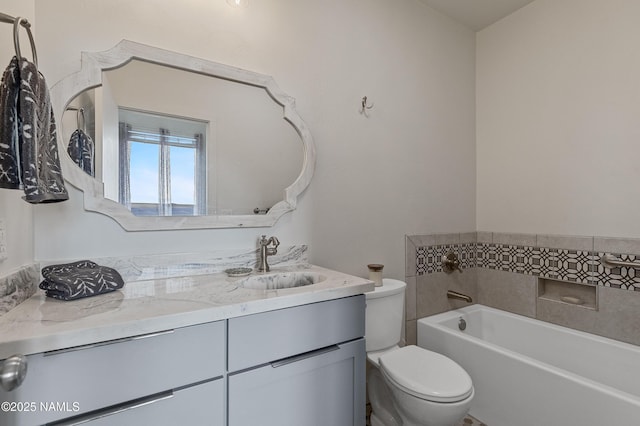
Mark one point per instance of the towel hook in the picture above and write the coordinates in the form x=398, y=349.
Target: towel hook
x=365, y=107
x=80, y=114
x=16, y=39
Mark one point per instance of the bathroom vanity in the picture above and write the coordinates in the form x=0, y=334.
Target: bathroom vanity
x=284, y=348
x=192, y=350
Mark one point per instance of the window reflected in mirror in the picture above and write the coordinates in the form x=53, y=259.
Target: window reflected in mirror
x=162, y=161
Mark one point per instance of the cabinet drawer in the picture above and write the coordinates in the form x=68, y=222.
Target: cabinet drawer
x=196, y=405
x=325, y=389
x=270, y=336
x=97, y=376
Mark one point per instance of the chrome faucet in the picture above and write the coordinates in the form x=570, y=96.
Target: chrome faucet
x=265, y=251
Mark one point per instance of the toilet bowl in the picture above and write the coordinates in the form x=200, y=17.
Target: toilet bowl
x=428, y=389
x=380, y=397
x=409, y=386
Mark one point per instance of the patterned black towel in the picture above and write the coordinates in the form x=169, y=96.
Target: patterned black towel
x=81, y=150
x=76, y=280
x=10, y=174
x=28, y=148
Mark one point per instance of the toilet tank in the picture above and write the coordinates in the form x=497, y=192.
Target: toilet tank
x=384, y=315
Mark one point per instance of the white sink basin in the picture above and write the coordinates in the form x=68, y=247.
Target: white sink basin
x=280, y=280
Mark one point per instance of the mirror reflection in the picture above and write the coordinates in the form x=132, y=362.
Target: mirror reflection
x=169, y=142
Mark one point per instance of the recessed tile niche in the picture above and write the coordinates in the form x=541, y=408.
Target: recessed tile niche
x=575, y=294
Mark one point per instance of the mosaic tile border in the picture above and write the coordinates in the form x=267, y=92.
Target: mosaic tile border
x=580, y=266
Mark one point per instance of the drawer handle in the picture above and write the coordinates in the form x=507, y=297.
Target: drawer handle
x=12, y=372
x=109, y=342
x=305, y=355
x=127, y=406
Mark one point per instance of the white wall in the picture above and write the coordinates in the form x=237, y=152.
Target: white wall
x=558, y=119
x=16, y=213
x=408, y=168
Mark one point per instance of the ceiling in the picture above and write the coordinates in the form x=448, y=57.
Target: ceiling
x=477, y=14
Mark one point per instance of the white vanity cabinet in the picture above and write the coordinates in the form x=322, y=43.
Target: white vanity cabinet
x=300, y=366
x=163, y=378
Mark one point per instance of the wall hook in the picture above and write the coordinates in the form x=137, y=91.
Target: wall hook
x=365, y=105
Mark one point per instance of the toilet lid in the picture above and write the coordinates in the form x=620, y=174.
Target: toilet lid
x=426, y=375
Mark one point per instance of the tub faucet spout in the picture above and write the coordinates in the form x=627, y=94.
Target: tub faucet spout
x=455, y=295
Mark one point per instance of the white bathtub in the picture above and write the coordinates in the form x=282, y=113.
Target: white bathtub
x=528, y=372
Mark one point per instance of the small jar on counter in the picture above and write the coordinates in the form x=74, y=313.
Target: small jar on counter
x=375, y=273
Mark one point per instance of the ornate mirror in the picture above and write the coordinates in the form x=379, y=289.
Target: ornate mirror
x=160, y=140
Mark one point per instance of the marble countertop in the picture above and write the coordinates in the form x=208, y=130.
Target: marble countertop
x=43, y=324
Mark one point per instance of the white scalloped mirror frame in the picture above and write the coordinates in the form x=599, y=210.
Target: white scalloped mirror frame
x=90, y=75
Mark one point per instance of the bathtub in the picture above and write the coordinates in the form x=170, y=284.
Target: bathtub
x=528, y=372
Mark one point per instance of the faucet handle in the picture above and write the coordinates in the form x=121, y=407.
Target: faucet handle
x=450, y=263
x=271, y=240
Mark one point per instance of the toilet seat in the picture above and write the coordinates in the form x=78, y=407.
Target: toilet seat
x=374, y=356
x=426, y=375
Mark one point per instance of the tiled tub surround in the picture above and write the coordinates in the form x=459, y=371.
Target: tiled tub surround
x=504, y=271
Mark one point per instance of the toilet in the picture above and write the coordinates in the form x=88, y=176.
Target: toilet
x=408, y=386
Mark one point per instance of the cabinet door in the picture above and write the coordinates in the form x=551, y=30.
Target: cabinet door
x=319, y=388
x=261, y=338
